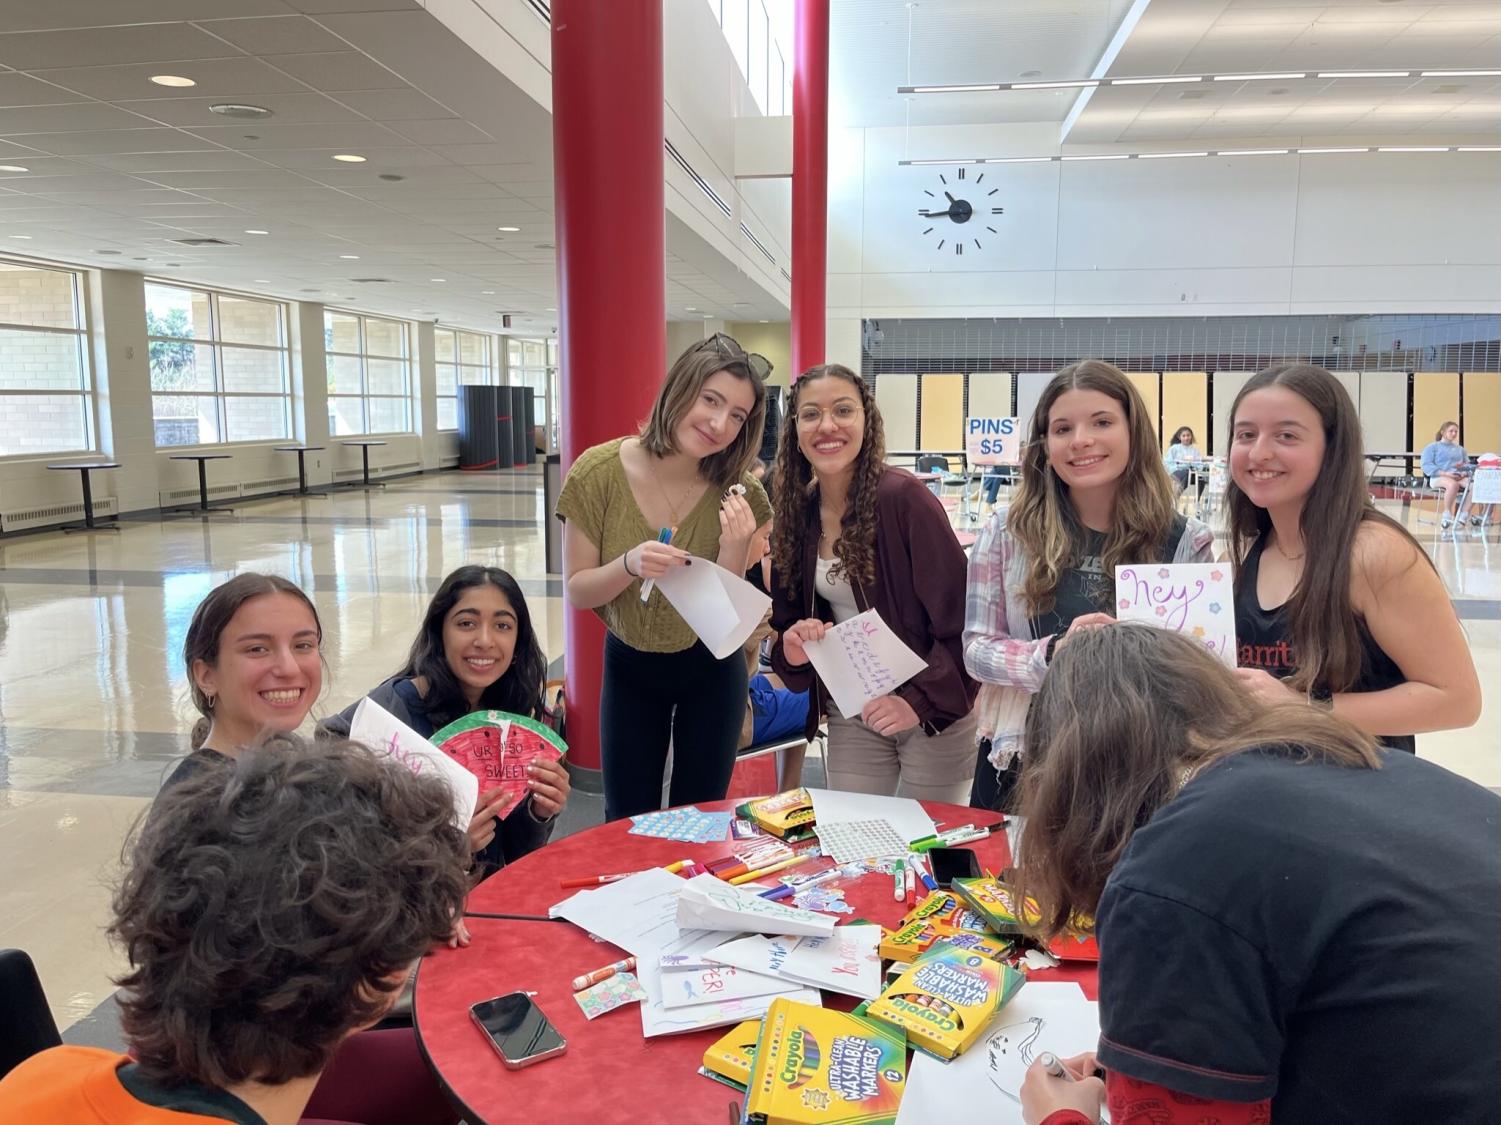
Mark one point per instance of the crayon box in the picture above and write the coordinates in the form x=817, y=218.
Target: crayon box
x=783, y=814
x=944, y=1002
x=818, y=1065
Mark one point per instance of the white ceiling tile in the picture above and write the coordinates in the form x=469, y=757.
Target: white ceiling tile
x=338, y=71
x=122, y=140
x=219, y=78
x=394, y=105
x=289, y=35
x=448, y=132
x=101, y=46
x=21, y=89
x=76, y=117
x=206, y=160
x=315, y=7
x=288, y=109
x=342, y=137
x=39, y=15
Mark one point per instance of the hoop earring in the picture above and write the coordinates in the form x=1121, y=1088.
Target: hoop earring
x=208, y=701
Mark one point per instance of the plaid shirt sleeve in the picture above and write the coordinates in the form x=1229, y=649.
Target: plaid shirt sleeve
x=992, y=653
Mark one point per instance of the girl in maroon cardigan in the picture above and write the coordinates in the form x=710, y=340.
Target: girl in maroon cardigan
x=852, y=534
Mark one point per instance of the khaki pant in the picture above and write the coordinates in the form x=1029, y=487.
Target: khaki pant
x=925, y=767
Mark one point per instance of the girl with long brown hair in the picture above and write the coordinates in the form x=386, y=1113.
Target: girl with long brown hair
x=1267, y=887
x=852, y=534
x=1094, y=495
x=1334, y=600
x=683, y=478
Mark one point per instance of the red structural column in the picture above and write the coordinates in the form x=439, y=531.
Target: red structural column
x=810, y=182
x=611, y=239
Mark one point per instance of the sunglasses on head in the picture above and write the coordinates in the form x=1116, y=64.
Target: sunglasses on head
x=728, y=348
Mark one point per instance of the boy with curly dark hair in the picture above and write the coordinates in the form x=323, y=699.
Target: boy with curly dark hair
x=271, y=908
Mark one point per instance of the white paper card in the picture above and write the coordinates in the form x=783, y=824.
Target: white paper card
x=1195, y=599
x=658, y=1019
x=637, y=913
x=718, y=983
x=834, y=806
x=847, y=961
x=1485, y=487
x=966, y=1088
x=377, y=728
x=993, y=441
x=709, y=903
x=862, y=659
x=722, y=608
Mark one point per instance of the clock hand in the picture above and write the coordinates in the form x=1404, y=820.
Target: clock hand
x=934, y=214
x=950, y=197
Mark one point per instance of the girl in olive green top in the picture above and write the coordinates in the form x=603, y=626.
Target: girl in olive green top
x=660, y=682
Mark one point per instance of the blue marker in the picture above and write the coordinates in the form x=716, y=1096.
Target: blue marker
x=663, y=536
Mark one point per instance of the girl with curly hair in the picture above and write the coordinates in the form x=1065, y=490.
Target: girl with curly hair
x=852, y=534
x=1094, y=495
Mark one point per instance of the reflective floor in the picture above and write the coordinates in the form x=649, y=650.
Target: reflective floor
x=93, y=700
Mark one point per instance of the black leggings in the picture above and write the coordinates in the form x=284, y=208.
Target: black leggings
x=993, y=789
x=698, y=701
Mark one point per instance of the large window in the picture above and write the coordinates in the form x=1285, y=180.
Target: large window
x=218, y=367
x=531, y=363
x=369, y=375
x=759, y=33
x=463, y=361
x=45, y=404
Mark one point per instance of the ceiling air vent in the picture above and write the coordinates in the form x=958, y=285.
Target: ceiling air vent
x=371, y=280
x=201, y=242
x=1192, y=95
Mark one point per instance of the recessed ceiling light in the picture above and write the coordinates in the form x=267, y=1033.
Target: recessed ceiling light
x=487, y=292
x=13, y=168
x=350, y=257
x=350, y=158
x=510, y=229
x=763, y=322
x=260, y=281
x=690, y=308
x=549, y=309
x=172, y=80
x=27, y=237
x=249, y=231
x=437, y=279
x=240, y=110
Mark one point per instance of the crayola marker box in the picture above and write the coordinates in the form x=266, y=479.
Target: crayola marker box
x=946, y=999
x=819, y=1065
x=731, y=1055
x=995, y=903
x=949, y=909
x=916, y=938
x=783, y=814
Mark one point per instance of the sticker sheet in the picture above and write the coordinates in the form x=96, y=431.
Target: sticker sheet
x=688, y=825
x=854, y=840
x=609, y=994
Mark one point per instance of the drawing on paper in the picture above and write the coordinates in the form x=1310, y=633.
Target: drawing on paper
x=1014, y=1041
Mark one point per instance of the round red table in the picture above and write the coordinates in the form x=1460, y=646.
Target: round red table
x=609, y=1072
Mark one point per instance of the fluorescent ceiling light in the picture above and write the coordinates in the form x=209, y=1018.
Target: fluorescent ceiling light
x=350, y=257
x=1413, y=148
x=511, y=229
x=1020, y=160
x=27, y=237
x=1309, y=151
x=1252, y=152
x=175, y=80
x=1155, y=81
x=1074, y=85
x=1102, y=156
x=1461, y=73
x=1365, y=73
x=350, y=158
x=924, y=163
x=961, y=89
x=437, y=279
x=1480, y=148
x=13, y=168
x=257, y=232
x=1167, y=155
x=1260, y=77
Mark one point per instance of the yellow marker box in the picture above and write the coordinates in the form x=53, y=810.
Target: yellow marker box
x=731, y=1055
x=946, y=999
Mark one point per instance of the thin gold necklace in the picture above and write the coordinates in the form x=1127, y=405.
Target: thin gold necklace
x=1277, y=546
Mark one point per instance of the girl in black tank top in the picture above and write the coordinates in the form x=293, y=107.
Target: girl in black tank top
x=1265, y=642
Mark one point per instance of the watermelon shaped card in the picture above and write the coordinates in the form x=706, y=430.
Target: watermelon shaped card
x=497, y=746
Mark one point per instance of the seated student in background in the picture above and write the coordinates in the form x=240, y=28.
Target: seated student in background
x=773, y=712
x=852, y=534
x=476, y=650
x=1334, y=601
x=253, y=968
x=1182, y=453
x=661, y=684
x=1294, y=924
x=1093, y=496
x=1447, y=466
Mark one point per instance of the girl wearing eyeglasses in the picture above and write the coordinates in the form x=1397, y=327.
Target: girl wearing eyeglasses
x=675, y=477
x=852, y=534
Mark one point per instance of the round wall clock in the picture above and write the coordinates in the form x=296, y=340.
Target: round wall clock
x=952, y=214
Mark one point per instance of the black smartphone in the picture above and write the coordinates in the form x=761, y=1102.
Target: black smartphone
x=953, y=863
x=518, y=1029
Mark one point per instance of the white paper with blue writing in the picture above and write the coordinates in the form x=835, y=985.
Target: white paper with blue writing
x=846, y=961
x=709, y=903
x=862, y=659
x=1195, y=599
x=377, y=728
x=658, y=1019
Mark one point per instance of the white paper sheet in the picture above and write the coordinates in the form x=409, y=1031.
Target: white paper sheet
x=658, y=1019
x=834, y=806
x=968, y=1088
x=1195, y=599
x=717, y=984
x=638, y=913
x=709, y=903
x=722, y=608
x=862, y=659
x=377, y=728
x=847, y=962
